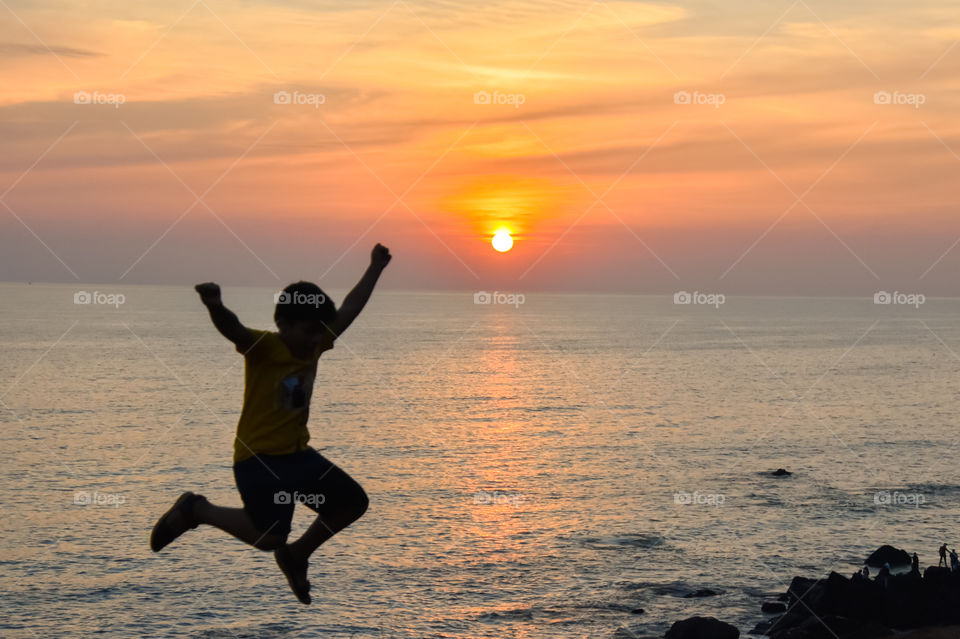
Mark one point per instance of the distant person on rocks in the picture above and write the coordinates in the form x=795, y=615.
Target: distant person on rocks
x=954, y=561
x=274, y=468
x=943, y=556
x=883, y=576
x=915, y=564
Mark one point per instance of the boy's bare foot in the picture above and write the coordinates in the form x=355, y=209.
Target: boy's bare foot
x=176, y=521
x=295, y=570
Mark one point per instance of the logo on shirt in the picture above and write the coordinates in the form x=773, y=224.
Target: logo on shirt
x=295, y=391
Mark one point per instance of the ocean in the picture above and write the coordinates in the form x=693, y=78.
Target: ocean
x=539, y=466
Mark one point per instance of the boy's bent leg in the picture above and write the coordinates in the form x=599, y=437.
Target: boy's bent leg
x=293, y=558
x=344, y=502
x=238, y=523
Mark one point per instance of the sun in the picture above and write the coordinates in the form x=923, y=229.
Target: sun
x=502, y=241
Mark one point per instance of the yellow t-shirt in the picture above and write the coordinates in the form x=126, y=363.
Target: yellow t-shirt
x=276, y=397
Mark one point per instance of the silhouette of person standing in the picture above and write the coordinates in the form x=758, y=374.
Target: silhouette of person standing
x=915, y=564
x=883, y=577
x=943, y=556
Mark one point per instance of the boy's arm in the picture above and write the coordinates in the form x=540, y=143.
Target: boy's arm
x=356, y=299
x=223, y=318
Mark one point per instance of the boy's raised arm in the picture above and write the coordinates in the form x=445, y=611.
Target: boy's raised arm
x=223, y=318
x=356, y=299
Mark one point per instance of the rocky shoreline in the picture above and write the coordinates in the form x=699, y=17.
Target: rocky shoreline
x=899, y=601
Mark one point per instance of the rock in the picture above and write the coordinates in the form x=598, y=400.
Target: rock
x=832, y=627
x=938, y=574
x=811, y=628
x=774, y=607
x=762, y=627
x=836, y=594
x=888, y=555
x=934, y=633
x=703, y=592
x=781, y=472
x=796, y=616
x=837, y=607
x=637, y=611
x=702, y=628
x=800, y=586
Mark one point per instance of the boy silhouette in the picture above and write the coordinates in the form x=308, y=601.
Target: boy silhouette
x=274, y=468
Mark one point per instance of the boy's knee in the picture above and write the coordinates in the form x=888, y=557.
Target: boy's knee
x=363, y=502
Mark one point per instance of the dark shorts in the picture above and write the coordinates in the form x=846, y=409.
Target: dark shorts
x=271, y=485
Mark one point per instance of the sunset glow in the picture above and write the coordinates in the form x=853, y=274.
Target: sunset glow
x=677, y=148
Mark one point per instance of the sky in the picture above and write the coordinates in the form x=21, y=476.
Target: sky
x=777, y=148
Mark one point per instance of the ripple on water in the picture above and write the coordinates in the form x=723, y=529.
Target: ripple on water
x=239, y=631
x=614, y=542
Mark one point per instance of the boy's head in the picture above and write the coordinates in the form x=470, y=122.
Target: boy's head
x=303, y=308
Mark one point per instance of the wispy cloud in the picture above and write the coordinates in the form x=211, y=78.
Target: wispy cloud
x=17, y=50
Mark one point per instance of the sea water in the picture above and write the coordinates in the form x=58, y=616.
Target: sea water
x=539, y=466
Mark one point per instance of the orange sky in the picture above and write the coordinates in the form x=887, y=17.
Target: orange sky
x=606, y=180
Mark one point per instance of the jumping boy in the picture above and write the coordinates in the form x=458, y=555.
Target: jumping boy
x=272, y=464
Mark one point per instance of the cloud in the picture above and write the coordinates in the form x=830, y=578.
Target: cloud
x=179, y=130
x=15, y=50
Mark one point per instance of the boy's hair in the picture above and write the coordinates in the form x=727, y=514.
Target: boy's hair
x=304, y=301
